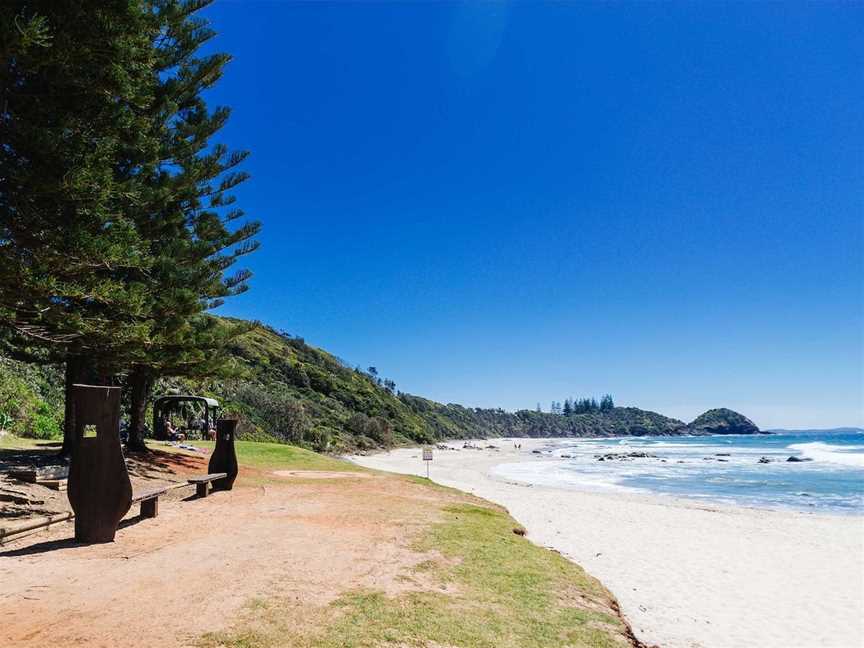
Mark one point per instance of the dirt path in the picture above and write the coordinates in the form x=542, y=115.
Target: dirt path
x=278, y=539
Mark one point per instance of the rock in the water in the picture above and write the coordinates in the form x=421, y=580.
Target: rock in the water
x=625, y=456
x=798, y=459
x=722, y=421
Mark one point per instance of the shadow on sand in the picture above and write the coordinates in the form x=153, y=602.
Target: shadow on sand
x=64, y=543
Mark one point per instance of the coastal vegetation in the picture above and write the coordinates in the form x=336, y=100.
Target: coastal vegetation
x=284, y=389
x=581, y=405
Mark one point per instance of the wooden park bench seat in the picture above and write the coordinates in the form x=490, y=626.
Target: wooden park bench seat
x=150, y=500
x=202, y=483
x=99, y=489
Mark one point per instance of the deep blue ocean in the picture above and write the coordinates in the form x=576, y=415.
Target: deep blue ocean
x=716, y=468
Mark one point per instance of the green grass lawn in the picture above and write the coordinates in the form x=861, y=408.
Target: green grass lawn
x=265, y=458
x=12, y=442
x=272, y=456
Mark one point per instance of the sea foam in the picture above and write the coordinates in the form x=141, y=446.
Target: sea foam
x=840, y=455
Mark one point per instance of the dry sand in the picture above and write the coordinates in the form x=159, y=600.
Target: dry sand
x=686, y=573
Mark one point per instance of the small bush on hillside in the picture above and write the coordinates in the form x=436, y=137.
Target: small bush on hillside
x=364, y=443
x=381, y=430
x=276, y=413
x=319, y=438
x=376, y=428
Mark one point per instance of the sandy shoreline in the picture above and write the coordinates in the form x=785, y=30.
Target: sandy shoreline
x=686, y=573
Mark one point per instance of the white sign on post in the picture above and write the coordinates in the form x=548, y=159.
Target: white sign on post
x=427, y=457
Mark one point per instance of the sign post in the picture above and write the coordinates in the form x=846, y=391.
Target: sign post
x=427, y=457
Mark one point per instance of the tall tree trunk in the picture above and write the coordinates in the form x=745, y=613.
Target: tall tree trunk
x=140, y=386
x=77, y=371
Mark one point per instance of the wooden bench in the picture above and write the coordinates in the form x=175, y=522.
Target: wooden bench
x=150, y=501
x=202, y=483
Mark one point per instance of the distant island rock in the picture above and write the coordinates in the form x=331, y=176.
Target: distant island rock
x=722, y=421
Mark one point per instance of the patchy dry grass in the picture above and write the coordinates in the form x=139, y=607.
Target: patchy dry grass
x=489, y=589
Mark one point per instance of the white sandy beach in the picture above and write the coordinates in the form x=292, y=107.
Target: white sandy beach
x=686, y=573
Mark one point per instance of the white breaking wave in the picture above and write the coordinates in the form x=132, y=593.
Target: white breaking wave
x=552, y=474
x=818, y=451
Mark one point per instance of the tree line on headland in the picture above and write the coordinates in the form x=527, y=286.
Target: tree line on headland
x=580, y=406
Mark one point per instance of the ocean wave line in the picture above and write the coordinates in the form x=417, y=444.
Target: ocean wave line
x=818, y=451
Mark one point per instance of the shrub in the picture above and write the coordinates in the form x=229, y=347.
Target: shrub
x=381, y=430
x=22, y=408
x=277, y=413
x=364, y=442
x=319, y=438
x=376, y=428
x=45, y=426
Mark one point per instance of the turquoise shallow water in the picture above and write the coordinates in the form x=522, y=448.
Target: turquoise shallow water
x=717, y=468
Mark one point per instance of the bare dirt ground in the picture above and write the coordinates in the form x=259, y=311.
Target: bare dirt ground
x=318, y=474
x=167, y=580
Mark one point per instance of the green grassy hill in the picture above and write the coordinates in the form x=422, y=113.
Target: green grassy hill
x=288, y=390
x=300, y=393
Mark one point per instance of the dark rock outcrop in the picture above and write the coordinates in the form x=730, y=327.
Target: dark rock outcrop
x=625, y=456
x=722, y=421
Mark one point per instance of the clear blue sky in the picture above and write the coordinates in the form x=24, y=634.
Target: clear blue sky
x=503, y=204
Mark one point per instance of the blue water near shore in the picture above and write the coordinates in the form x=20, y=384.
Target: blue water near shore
x=717, y=468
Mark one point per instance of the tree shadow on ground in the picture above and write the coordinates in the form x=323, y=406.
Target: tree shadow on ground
x=139, y=464
x=63, y=543
x=43, y=455
x=156, y=464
